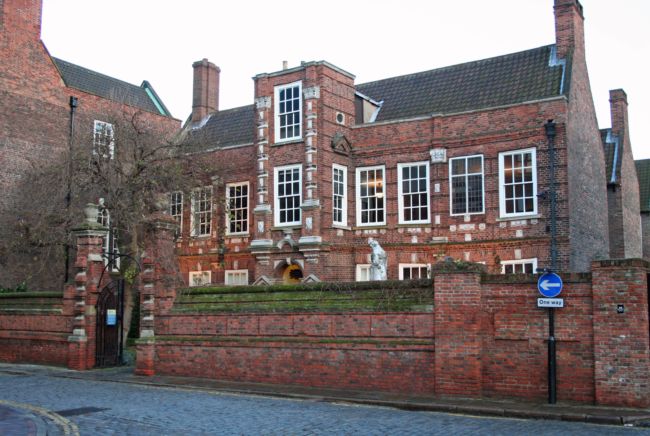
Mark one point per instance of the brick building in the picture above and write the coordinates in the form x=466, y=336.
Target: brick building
x=448, y=162
x=45, y=105
x=643, y=173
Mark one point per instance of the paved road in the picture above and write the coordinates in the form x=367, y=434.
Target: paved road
x=106, y=408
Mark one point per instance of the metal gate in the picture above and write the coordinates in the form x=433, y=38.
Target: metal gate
x=110, y=310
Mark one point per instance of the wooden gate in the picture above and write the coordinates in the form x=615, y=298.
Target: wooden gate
x=110, y=307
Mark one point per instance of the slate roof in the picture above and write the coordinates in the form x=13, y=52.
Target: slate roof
x=643, y=174
x=612, y=155
x=110, y=88
x=498, y=81
x=222, y=129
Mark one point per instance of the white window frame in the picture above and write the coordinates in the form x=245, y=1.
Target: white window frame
x=414, y=265
x=502, y=196
x=233, y=274
x=101, y=139
x=277, y=103
x=519, y=262
x=361, y=270
x=192, y=274
x=195, y=230
x=177, y=206
x=276, y=199
x=358, y=195
x=400, y=193
x=344, y=197
x=110, y=241
x=229, y=210
x=466, y=175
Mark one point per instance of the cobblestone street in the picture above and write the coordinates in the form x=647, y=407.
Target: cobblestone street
x=99, y=407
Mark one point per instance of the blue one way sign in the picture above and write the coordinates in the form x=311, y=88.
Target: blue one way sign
x=549, y=285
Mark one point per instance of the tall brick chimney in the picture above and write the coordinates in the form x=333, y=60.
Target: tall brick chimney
x=206, y=89
x=618, y=110
x=569, y=28
x=21, y=17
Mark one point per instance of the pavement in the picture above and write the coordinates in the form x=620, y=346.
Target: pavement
x=24, y=419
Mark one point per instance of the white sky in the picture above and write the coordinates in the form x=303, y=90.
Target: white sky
x=158, y=40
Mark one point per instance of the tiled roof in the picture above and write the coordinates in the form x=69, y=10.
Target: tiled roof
x=643, y=174
x=83, y=79
x=499, y=81
x=222, y=129
x=612, y=156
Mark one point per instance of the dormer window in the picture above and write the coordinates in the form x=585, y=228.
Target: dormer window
x=288, y=112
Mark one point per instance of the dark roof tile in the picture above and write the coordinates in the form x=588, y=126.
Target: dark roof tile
x=503, y=80
x=110, y=88
x=222, y=129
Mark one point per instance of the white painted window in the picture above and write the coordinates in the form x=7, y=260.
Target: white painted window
x=288, y=112
x=236, y=277
x=288, y=195
x=103, y=140
x=110, y=248
x=371, y=206
x=518, y=183
x=414, y=271
x=201, y=211
x=237, y=210
x=176, y=209
x=519, y=266
x=339, y=195
x=200, y=278
x=466, y=185
x=413, y=192
x=362, y=272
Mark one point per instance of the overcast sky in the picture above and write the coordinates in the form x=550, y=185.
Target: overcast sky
x=158, y=40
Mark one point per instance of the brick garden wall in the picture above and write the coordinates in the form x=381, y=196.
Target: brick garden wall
x=34, y=328
x=469, y=335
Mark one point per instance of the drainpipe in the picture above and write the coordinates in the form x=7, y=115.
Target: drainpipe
x=68, y=196
x=550, y=136
x=552, y=357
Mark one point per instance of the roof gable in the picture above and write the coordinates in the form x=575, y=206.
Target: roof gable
x=504, y=80
x=143, y=97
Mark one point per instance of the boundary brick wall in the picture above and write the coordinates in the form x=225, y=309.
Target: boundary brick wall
x=471, y=335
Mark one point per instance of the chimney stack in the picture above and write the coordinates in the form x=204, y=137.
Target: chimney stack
x=618, y=110
x=21, y=18
x=205, y=99
x=569, y=28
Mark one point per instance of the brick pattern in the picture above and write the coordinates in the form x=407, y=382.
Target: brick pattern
x=622, y=337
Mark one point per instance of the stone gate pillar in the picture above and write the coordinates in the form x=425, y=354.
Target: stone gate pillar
x=158, y=281
x=89, y=265
x=621, y=332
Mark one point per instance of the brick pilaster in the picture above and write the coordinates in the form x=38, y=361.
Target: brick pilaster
x=621, y=332
x=458, y=333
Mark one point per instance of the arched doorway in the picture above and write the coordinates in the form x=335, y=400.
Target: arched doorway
x=292, y=274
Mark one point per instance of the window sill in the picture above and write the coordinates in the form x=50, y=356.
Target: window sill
x=371, y=227
x=414, y=225
x=287, y=141
x=518, y=217
x=287, y=227
x=341, y=227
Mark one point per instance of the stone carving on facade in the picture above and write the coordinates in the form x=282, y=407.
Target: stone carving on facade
x=378, y=261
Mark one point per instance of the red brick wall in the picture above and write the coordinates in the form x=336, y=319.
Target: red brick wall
x=485, y=337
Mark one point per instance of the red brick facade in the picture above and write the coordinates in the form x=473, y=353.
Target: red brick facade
x=35, y=118
x=333, y=135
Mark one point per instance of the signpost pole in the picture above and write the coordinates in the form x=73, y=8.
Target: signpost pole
x=552, y=362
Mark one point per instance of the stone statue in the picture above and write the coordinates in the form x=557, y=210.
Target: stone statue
x=378, y=260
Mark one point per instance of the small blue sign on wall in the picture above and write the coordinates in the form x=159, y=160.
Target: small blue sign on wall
x=549, y=285
x=111, y=317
